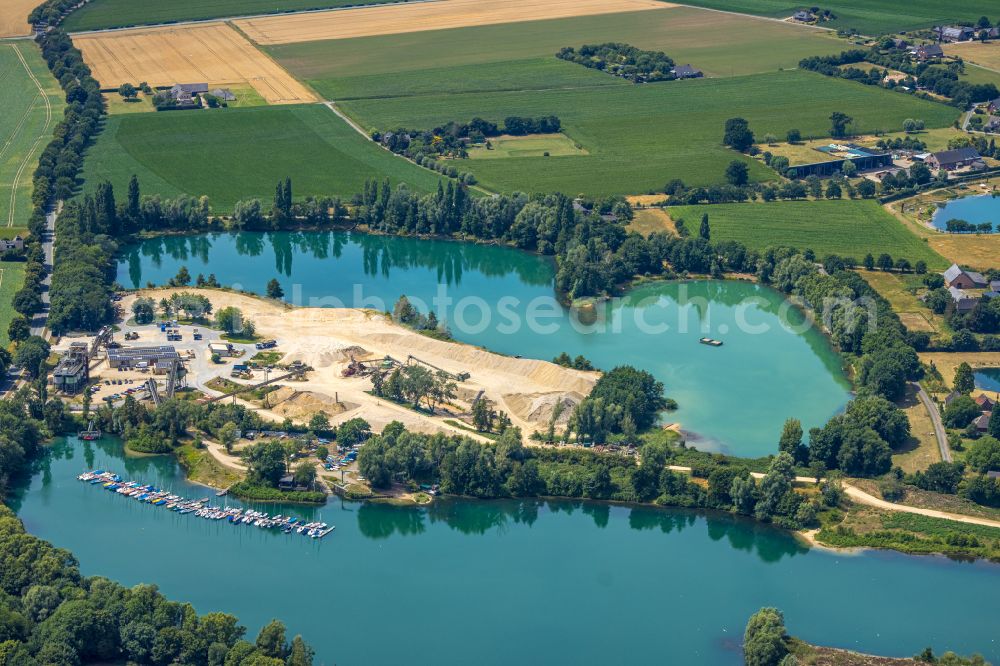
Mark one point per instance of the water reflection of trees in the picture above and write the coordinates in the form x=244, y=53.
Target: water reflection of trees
x=768, y=543
x=380, y=521
x=380, y=255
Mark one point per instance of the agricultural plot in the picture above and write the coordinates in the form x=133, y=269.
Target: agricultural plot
x=394, y=19
x=640, y=137
x=31, y=106
x=14, y=17
x=847, y=227
x=11, y=280
x=101, y=14
x=236, y=154
x=520, y=56
x=870, y=17
x=536, y=145
x=215, y=53
x=985, y=54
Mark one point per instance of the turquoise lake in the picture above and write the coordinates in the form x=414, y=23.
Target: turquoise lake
x=734, y=398
x=975, y=209
x=988, y=379
x=525, y=582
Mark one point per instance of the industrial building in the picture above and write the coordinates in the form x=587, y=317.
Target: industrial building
x=130, y=357
x=72, y=374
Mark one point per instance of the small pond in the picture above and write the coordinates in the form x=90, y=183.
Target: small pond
x=988, y=379
x=978, y=209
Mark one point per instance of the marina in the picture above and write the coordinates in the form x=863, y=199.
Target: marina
x=201, y=508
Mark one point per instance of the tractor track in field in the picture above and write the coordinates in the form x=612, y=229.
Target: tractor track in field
x=41, y=136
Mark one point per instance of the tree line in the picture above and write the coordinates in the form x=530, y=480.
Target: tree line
x=55, y=177
x=452, y=138
x=941, y=80
x=506, y=468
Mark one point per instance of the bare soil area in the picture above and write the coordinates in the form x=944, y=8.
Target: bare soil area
x=327, y=338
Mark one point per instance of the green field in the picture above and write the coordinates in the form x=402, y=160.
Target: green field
x=519, y=56
x=11, y=279
x=870, y=17
x=27, y=118
x=98, y=14
x=640, y=137
x=849, y=228
x=535, y=145
x=233, y=154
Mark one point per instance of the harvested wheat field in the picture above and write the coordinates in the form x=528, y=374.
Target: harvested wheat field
x=14, y=17
x=215, y=54
x=394, y=19
x=985, y=54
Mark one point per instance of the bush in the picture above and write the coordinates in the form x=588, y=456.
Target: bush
x=255, y=491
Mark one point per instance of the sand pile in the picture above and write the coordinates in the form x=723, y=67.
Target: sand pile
x=291, y=402
x=321, y=352
x=539, y=407
x=476, y=361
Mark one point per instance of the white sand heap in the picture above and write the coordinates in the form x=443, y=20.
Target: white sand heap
x=540, y=407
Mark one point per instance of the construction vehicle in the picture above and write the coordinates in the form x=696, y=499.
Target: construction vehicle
x=131, y=335
x=267, y=344
x=364, y=368
x=196, y=334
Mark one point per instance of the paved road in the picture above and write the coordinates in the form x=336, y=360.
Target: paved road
x=39, y=321
x=932, y=410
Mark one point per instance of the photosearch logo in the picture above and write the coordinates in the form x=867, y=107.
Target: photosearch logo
x=683, y=311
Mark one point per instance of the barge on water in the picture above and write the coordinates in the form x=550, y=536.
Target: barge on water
x=149, y=494
x=711, y=342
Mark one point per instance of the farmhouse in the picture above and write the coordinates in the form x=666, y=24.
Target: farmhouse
x=127, y=357
x=993, y=106
x=960, y=278
x=963, y=301
x=686, y=72
x=225, y=94
x=15, y=243
x=804, y=15
x=985, y=403
x=927, y=52
x=882, y=174
x=954, y=33
x=983, y=422
x=949, y=160
x=183, y=93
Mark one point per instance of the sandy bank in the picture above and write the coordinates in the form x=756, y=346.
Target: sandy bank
x=327, y=338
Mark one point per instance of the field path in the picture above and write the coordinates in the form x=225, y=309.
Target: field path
x=861, y=497
x=41, y=136
x=939, y=432
x=360, y=130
